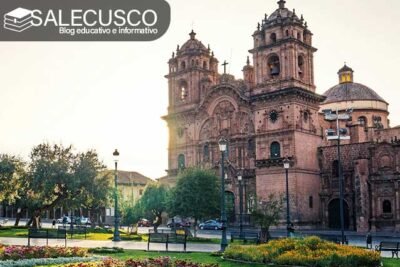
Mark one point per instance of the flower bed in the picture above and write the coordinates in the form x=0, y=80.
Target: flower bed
x=24, y=252
x=310, y=251
x=158, y=262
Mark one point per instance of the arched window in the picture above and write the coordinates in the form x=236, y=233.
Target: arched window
x=362, y=121
x=206, y=152
x=387, y=206
x=275, y=150
x=299, y=36
x=183, y=65
x=181, y=161
x=335, y=168
x=287, y=32
x=300, y=66
x=205, y=65
x=274, y=66
x=183, y=90
x=273, y=37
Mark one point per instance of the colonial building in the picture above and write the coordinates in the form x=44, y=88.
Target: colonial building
x=274, y=113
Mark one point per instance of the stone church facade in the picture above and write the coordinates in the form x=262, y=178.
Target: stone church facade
x=274, y=113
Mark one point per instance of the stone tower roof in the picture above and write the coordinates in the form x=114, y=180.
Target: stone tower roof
x=193, y=46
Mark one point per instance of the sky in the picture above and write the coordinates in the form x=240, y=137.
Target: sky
x=103, y=96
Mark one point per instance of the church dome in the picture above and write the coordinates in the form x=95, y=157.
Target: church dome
x=350, y=91
x=193, y=45
x=347, y=90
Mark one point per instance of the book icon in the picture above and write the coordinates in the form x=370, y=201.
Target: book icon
x=18, y=20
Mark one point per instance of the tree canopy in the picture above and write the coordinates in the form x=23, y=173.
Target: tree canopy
x=196, y=195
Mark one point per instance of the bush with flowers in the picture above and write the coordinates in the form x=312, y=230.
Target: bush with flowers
x=310, y=251
x=157, y=262
x=34, y=252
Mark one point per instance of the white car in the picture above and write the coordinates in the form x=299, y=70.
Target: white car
x=64, y=219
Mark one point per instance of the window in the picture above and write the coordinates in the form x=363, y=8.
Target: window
x=274, y=66
x=335, y=168
x=181, y=161
x=205, y=65
x=141, y=192
x=310, y=202
x=299, y=36
x=287, y=32
x=300, y=66
x=206, y=152
x=273, y=37
x=362, y=121
x=275, y=150
x=305, y=116
x=387, y=206
x=183, y=90
x=183, y=65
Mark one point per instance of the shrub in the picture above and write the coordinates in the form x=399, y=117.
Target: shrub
x=25, y=252
x=311, y=251
x=106, y=250
x=157, y=262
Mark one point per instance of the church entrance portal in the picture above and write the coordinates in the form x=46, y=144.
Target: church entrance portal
x=334, y=214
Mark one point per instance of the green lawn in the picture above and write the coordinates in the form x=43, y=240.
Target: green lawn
x=96, y=234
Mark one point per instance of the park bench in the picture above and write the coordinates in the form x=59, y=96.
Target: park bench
x=167, y=238
x=389, y=246
x=47, y=234
x=245, y=236
x=75, y=230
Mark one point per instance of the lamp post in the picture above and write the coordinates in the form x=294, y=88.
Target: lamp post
x=286, y=165
x=222, y=148
x=116, y=236
x=340, y=135
x=240, y=204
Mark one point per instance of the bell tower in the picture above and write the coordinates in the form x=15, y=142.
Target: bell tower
x=283, y=52
x=286, y=112
x=192, y=69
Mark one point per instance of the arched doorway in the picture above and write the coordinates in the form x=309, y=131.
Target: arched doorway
x=334, y=214
x=230, y=206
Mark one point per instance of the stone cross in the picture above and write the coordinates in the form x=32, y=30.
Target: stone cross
x=225, y=64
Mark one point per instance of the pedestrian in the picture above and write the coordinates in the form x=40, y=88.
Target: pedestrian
x=368, y=239
x=54, y=223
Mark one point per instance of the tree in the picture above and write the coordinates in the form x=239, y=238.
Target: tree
x=131, y=214
x=59, y=177
x=11, y=177
x=153, y=203
x=267, y=213
x=196, y=195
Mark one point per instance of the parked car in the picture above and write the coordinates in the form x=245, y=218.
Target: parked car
x=64, y=219
x=83, y=220
x=144, y=223
x=179, y=224
x=210, y=225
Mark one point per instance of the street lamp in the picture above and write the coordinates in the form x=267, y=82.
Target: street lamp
x=222, y=148
x=286, y=165
x=339, y=135
x=240, y=204
x=116, y=215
